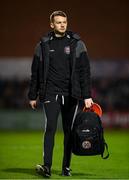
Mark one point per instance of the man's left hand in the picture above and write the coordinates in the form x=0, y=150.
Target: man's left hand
x=88, y=102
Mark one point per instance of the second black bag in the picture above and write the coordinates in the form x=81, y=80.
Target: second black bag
x=87, y=135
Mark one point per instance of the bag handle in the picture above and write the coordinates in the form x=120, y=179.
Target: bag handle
x=96, y=108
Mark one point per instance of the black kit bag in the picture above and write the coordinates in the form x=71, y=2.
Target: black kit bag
x=88, y=135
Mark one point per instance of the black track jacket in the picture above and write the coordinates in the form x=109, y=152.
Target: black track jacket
x=80, y=76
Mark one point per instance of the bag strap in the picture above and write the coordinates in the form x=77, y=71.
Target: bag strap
x=105, y=147
x=75, y=113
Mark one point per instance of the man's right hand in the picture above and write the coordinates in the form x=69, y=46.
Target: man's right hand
x=33, y=104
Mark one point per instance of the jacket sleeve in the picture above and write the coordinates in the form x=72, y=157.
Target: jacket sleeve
x=34, y=80
x=84, y=70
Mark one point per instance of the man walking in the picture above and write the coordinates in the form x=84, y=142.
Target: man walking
x=61, y=79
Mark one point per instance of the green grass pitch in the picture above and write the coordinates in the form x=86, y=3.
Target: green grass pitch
x=21, y=151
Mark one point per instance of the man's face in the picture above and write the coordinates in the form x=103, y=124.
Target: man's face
x=59, y=24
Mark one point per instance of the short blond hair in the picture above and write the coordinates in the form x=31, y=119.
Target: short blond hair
x=57, y=13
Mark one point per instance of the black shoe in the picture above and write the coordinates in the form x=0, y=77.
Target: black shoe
x=66, y=172
x=43, y=170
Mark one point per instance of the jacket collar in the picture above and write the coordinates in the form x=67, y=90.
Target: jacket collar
x=69, y=34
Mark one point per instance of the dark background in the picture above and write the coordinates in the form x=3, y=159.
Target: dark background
x=103, y=25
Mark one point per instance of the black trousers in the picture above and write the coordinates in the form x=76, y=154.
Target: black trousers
x=53, y=105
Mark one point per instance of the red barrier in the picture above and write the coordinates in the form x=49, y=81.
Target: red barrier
x=116, y=119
